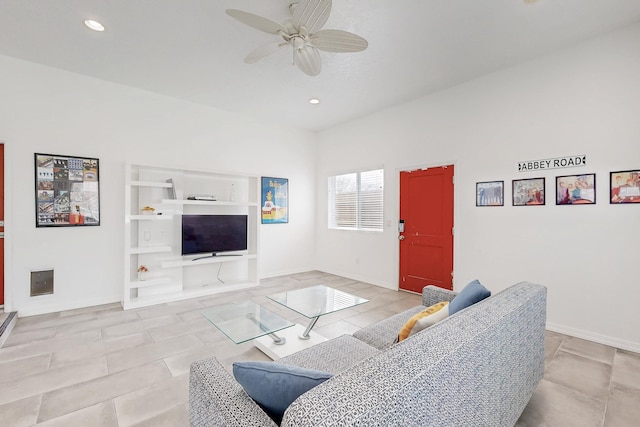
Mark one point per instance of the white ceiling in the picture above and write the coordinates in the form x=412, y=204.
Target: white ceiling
x=190, y=49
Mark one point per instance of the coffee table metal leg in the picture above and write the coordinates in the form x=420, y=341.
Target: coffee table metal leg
x=305, y=334
x=277, y=340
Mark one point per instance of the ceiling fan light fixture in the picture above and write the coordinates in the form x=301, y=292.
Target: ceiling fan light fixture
x=94, y=25
x=302, y=33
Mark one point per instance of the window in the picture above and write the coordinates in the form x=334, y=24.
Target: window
x=356, y=200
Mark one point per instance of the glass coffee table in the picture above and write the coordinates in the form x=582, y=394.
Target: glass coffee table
x=245, y=321
x=316, y=301
x=273, y=335
x=312, y=303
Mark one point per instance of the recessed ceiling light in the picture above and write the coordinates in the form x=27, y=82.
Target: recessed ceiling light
x=314, y=101
x=94, y=25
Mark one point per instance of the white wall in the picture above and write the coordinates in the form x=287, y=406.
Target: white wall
x=46, y=110
x=585, y=100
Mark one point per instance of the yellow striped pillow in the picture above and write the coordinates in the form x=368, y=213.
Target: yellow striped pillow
x=406, y=329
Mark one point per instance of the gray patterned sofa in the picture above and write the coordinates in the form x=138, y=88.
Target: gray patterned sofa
x=478, y=367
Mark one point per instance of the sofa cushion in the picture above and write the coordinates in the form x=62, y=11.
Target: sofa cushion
x=407, y=328
x=430, y=320
x=469, y=295
x=274, y=385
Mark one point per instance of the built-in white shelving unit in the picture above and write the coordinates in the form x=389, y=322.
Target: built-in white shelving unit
x=153, y=238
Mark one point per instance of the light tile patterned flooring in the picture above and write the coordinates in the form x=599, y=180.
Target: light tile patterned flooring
x=102, y=366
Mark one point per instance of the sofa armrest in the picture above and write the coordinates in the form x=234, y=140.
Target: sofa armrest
x=432, y=295
x=216, y=399
x=383, y=334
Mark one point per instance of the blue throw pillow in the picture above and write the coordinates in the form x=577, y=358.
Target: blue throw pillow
x=469, y=295
x=274, y=386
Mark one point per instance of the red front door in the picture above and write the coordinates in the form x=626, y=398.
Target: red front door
x=2, y=224
x=426, y=245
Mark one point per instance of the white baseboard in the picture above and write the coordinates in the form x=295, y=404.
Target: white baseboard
x=74, y=305
x=285, y=272
x=591, y=336
x=368, y=280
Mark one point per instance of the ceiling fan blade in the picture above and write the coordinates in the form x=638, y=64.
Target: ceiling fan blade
x=262, y=51
x=308, y=60
x=257, y=22
x=311, y=14
x=338, y=41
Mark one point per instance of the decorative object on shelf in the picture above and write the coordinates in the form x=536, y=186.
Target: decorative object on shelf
x=146, y=237
x=171, y=190
x=528, y=192
x=67, y=191
x=624, y=187
x=142, y=272
x=576, y=189
x=490, y=193
x=202, y=197
x=275, y=200
x=147, y=210
x=232, y=193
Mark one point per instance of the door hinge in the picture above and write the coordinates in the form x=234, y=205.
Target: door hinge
x=453, y=179
x=453, y=231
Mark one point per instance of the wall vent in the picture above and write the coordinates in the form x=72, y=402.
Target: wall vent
x=41, y=282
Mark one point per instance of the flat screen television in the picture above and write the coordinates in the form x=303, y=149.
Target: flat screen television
x=213, y=234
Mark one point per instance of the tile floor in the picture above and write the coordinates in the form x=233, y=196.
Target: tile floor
x=102, y=366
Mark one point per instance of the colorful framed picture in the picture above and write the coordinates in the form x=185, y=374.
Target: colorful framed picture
x=67, y=191
x=624, y=187
x=490, y=193
x=275, y=200
x=528, y=192
x=576, y=189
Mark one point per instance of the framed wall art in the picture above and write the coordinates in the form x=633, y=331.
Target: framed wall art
x=67, y=191
x=490, y=193
x=528, y=192
x=275, y=200
x=576, y=189
x=624, y=187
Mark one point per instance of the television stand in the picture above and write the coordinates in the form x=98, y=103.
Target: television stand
x=156, y=240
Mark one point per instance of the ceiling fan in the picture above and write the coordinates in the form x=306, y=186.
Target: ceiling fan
x=303, y=33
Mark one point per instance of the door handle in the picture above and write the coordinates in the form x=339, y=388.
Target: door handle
x=401, y=237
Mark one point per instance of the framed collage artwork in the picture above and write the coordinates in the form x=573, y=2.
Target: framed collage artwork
x=67, y=191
